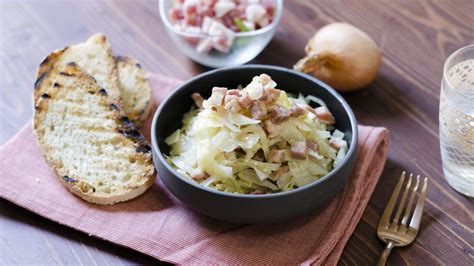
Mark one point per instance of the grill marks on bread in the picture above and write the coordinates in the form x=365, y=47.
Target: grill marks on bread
x=94, y=148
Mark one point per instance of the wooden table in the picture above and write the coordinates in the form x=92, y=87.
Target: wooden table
x=415, y=38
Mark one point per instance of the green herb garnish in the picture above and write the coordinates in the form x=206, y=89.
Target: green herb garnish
x=241, y=25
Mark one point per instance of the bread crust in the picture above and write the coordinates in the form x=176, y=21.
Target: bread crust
x=58, y=58
x=123, y=130
x=138, y=102
x=133, y=81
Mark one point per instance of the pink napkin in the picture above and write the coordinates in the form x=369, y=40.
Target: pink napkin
x=157, y=224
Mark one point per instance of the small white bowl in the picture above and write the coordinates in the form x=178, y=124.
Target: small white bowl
x=245, y=46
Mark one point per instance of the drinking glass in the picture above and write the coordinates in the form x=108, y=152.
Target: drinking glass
x=456, y=120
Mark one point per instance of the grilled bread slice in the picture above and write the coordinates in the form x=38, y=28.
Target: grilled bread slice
x=93, y=56
x=134, y=88
x=95, y=150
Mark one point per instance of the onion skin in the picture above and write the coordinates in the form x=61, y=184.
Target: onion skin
x=343, y=56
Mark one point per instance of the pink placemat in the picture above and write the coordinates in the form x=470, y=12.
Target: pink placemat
x=157, y=224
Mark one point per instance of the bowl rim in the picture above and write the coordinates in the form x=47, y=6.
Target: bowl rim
x=271, y=26
x=351, y=152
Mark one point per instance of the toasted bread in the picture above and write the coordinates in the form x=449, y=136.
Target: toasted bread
x=93, y=56
x=134, y=88
x=95, y=150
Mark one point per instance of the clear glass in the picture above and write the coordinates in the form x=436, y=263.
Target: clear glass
x=245, y=47
x=456, y=120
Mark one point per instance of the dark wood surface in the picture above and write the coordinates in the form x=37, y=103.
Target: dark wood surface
x=415, y=38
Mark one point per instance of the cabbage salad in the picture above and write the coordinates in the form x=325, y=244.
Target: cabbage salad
x=256, y=140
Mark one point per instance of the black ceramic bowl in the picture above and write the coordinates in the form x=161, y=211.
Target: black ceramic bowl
x=251, y=208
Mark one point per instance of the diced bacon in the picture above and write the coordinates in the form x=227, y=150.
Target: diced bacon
x=337, y=143
x=279, y=114
x=206, y=24
x=176, y=13
x=257, y=192
x=256, y=111
x=297, y=110
x=221, y=44
x=221, y=8
x=217, y=96
x=276, y=156
x=245, y=100
x=255, y=89
x=204, y=46
x=324, y=115
x=220, y=90
x=198, y=99
x=272, y=94
x=299, y=150
x=231, y=103
x=264, y=78
x=269, y=5
x=255, y=12
x=198, y=19
x=192, y=30
x=264, y=22
x=263, y=96
x=233, y=92
x=198, y=174
x=190, y=8
x=312, y=145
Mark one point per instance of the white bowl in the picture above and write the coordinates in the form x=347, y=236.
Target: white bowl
x=245, y=47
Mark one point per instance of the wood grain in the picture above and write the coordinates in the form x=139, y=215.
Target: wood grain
x=415, y=38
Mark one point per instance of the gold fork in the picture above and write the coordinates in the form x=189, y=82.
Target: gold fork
x=393, y=232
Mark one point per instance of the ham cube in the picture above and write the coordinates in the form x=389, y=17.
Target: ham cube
x=198, y=174
x=204, y=45
x=276, y=156
x=221, y=44
x=256, y=111
x=263, y=22
x=337, y=143
x=323, y=114
x=233, y=92
x=255, y=12
x=299, y=150
x=198, y=99
x=176, y=13
x=217, y=96
x=272, y=94
x=312, y=145
x=245, y=100
x=223, y=7
x=264, y=78
x=279, y=114
x=231, y=103
x=297, y=110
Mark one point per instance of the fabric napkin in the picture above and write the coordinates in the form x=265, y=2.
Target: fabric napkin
x=159, y=225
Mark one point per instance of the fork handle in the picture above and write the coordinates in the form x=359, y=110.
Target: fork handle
x=384, y=255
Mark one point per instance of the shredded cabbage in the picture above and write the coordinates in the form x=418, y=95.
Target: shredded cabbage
x=240, y=150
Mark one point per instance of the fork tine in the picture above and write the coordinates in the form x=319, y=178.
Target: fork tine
x=416, y=219
x=410, y=201
x=403, y=199
x=391, y=202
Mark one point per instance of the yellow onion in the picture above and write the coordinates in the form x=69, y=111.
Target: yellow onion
x=341, y=55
